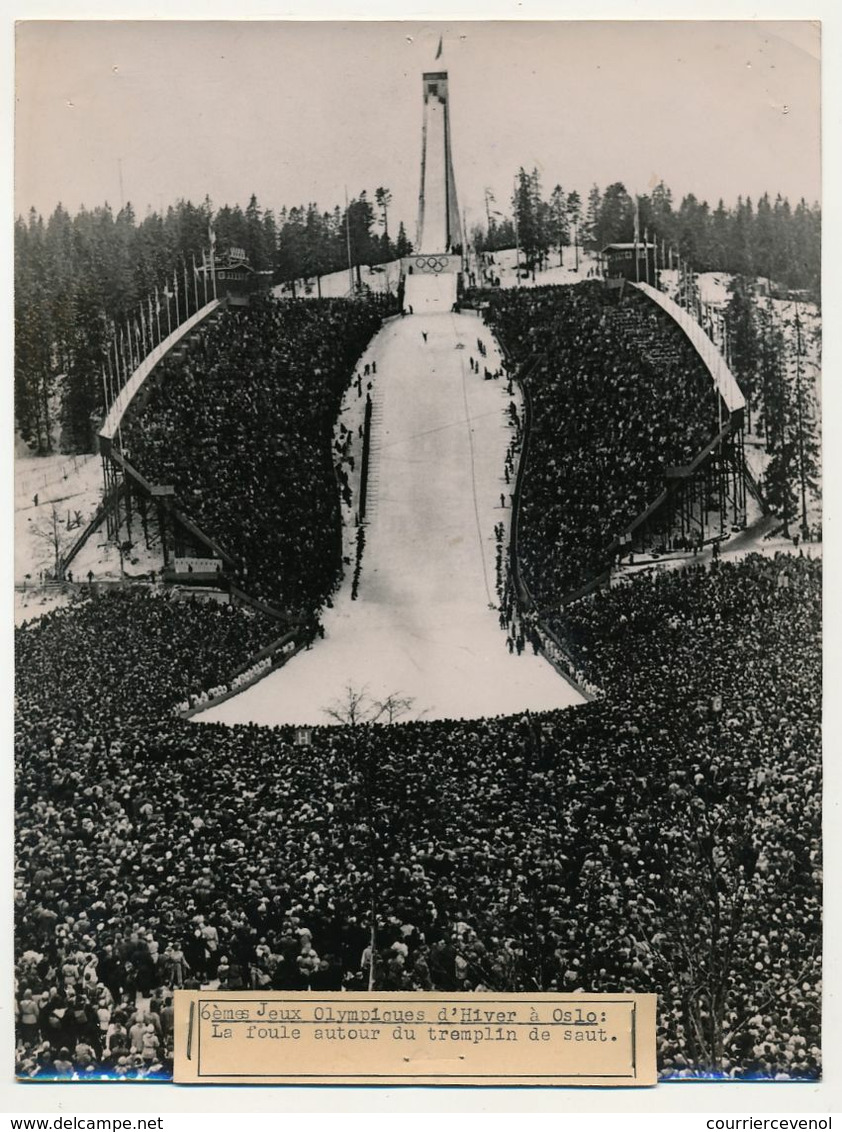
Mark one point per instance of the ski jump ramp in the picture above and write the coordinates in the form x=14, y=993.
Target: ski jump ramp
x=424, y=625
x=429, y=294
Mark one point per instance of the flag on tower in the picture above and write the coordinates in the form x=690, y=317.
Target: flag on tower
x=441, y=47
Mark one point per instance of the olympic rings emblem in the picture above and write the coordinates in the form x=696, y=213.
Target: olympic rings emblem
x=433, y=263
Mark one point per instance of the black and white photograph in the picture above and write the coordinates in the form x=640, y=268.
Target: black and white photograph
x=418, y=525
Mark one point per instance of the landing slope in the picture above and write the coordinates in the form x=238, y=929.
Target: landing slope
x=424, y=623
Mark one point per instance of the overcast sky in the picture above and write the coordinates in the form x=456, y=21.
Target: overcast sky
x=295, y=112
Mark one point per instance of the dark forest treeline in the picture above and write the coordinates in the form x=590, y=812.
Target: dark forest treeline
x=768, y=238
x=78, y=277
x=314, y=243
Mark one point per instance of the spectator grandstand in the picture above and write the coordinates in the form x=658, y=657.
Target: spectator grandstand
x=242, y=426
x=618, y=397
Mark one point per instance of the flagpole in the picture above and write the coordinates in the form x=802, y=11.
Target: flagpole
x=116, y=374
x=205, y=275
x=122, y=367
x=636, y=240
x=348, y=242
x=108, y=356
x=186, y=290
x=175, y=293
x=212, y=241
x=517, y=235
x=113, y=377
x=195, y=281
x=646, y=251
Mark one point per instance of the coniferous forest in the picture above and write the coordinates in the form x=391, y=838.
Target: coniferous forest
x=77, y=276
x=768, y=238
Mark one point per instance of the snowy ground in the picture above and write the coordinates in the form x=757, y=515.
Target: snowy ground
x=44, y=476
x=386, y=276
x=503, y=268
x=31, y=604
x=379, y=278
x=63, y=511
x=429, y=294
x=753, y=540
x=425, y=625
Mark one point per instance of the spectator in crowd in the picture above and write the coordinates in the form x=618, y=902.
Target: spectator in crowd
x=663, y=838
x=618, y=396
x=242, y=426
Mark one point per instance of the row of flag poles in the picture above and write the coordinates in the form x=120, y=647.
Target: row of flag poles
x=156, y=319
x=710, y=317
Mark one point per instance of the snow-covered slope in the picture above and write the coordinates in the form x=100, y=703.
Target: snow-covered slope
x=424, y=625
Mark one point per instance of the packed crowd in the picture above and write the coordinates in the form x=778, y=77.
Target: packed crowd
x=663, y=838
x=610, y=414
x=242, y=426
x=720, y=669
x=141, y=652
x=92, y=680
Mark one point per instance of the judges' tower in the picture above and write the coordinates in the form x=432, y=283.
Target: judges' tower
x=439, y=227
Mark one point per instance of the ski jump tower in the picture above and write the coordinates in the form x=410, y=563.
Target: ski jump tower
x=431, y=274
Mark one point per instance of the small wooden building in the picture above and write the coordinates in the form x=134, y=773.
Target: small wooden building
x=619, y=262
x=236, y=279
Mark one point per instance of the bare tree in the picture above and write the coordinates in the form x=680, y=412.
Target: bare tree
x=353, y=709
x=51, y=540
x=357, y=707
x=392, y=708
